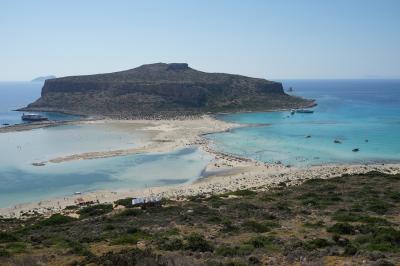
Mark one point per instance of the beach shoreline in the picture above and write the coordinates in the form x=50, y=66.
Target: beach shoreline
x=226, y=172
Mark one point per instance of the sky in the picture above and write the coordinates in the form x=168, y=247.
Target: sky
x=274, y=39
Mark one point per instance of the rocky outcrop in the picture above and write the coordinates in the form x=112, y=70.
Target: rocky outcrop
x=162, y=89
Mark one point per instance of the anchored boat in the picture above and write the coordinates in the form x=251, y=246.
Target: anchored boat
x=304, y=111
x=33, y=117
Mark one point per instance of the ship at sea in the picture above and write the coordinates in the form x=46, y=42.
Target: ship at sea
x=33, y=118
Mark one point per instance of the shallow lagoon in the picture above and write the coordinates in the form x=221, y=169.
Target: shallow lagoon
x=20, y=181
x=362, y=114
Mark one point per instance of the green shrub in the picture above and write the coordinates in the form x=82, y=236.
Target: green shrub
x=130, y=212
x=281, y=206
x=385, y=239
x=395, y=196
x=127, y=202
x=379, y=207
x=71, y=207
x=196, y=242
x=214, y=219
x=95, y=210
x=56, y=219
x=342, y=229
x=263, y=242
x=257, y=227
x=170, y=244
x=108, y=227
x=79, y=248
x=232, y=251
x=16, y=247
x=4, y=253
x=7, y=237
x=318, y=243
x=228, y=226
x=344, y=216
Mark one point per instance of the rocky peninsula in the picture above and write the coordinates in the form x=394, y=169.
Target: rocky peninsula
x=162, y=91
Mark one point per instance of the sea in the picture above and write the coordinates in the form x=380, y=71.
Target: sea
x=359, y=115
x=355, y=121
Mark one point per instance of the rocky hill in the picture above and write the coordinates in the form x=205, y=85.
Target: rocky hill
x=162, y=90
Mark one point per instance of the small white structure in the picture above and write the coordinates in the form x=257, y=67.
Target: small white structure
x=139, y=201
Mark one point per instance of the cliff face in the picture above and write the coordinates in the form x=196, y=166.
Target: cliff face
x=161, y=89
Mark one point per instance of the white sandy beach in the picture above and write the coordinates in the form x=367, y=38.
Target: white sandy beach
x=224, y=173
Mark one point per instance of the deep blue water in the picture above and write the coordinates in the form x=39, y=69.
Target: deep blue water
x=362, y=114
x=14, y=95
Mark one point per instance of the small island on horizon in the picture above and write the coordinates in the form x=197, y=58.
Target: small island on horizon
x=43, y=78
x=162, y=90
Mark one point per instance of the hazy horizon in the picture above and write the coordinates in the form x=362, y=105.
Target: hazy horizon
x=275, y=40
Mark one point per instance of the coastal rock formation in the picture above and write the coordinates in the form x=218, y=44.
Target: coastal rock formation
x=162, y=89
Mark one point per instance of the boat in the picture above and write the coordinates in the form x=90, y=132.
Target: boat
x=33, y=117
x=292, y=111
x=304, y=111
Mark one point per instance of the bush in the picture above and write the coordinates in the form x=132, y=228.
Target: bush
x=127, y=202
x=16, y=247
x=380, y=239
x=4, y=253
x=170, y=244
x=343, y=216
x=108, y=227
x=228, y=226
x=342, y=229
x=130, y=212
x=259, y=227
x=79, y=248
x=263, y=242
x=56, y=219
x=231, y=251
x=7, y=237
x=196, y=242
x=379, y=207
x=318, y=243
x=95, y=210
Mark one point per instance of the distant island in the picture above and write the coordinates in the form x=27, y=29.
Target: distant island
x=43, y=78
x=162, y=90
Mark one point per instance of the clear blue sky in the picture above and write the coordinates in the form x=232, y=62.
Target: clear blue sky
x=269, y=39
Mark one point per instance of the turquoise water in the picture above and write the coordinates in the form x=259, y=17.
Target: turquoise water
x=14, y=95
x=30, y=183
x=363, y=114
x=20, y=181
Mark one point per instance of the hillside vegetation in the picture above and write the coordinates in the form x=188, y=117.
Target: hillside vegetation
x=348, y=219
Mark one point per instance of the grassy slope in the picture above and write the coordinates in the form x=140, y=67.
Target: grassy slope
x=351, y=218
